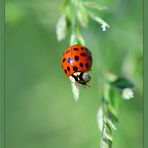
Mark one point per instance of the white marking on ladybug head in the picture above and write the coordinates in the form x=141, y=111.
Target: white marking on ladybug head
x=77, y=73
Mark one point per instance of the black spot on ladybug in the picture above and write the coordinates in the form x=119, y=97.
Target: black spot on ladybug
x=81, y=64
x=69, y=60
x=75, y=68
x=87, y=65
x=67, y=51
x=90, y=57
x=83, y=54
x=76, y=49
x=65, y=71
x=64, y=60
x=76, y=58
x=68, y=68
x=82, y=48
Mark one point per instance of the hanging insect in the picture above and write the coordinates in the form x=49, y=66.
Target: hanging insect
x=76, y=63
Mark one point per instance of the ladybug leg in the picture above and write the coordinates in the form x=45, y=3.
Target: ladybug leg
x=81, y=80
x=75, y=77
x=81, y=76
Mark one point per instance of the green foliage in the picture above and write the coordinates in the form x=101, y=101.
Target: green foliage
x=78, y=12
x=40, y=111
x=122, y=83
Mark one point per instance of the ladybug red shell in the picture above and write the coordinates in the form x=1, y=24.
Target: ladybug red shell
x=76, y=62
x=76, y=58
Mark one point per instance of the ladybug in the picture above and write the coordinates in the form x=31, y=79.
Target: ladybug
x=76, y=62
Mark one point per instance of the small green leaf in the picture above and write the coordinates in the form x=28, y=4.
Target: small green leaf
x=110, y=120
x=99, y=20
x=61, y=27
x=82, y=15
x=107, y=133
x=106, y=143
x=100, y=118
x=68, y=12
x=113, y=112
x=76, y=38
x=122, y=83
x=94, y=5
x=114, y=97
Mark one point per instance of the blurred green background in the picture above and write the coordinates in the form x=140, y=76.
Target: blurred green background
x=39, y=106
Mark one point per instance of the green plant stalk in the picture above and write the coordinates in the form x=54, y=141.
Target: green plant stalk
x=108, y=103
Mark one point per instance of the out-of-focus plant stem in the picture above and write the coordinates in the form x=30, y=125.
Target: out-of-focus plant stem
x=75, y=14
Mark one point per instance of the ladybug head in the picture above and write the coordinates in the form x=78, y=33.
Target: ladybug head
x=80, y=77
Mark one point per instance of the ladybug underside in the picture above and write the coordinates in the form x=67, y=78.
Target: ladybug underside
x=80, y=77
